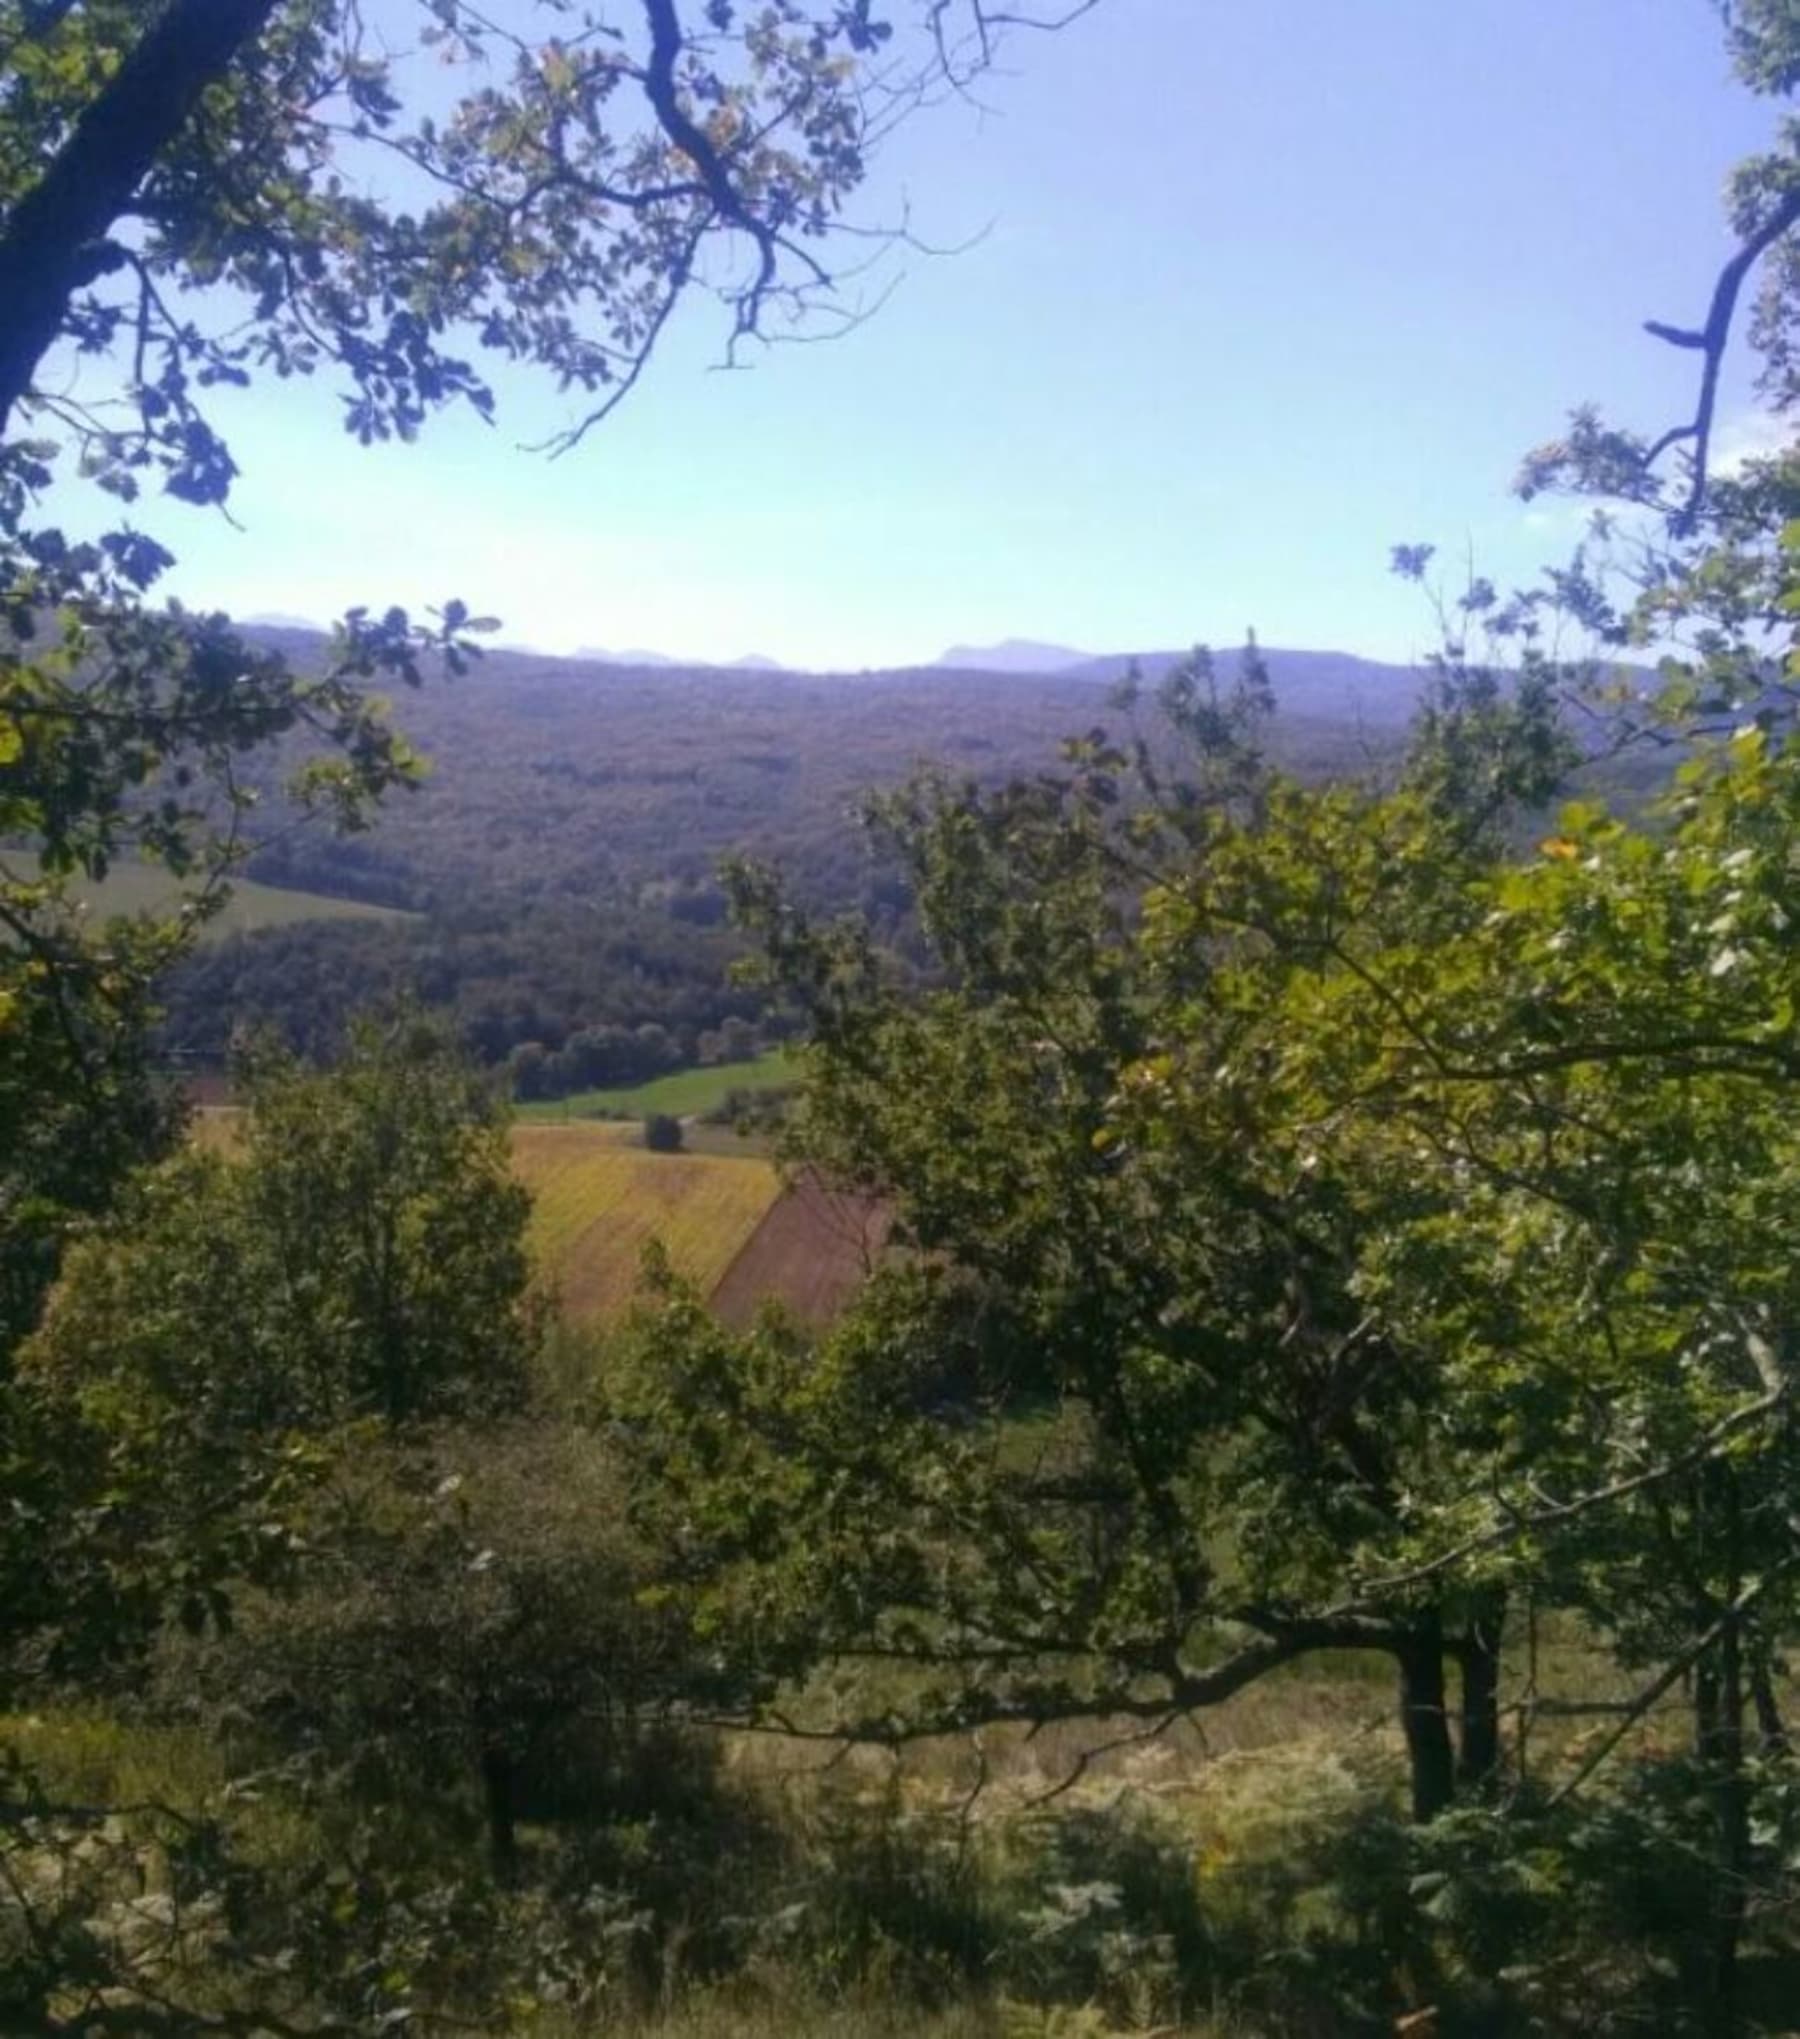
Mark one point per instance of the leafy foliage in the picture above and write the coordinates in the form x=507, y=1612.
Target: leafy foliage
x=362, y=1261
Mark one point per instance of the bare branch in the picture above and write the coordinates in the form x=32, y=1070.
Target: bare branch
x=1710, y=341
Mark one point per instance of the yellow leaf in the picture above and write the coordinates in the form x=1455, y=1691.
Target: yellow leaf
x=1560, y=846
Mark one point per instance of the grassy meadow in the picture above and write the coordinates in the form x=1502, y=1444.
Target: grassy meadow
x=686, y=1094
x=129, y=889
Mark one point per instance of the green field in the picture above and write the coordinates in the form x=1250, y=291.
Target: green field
x=142, y=888
x=686, y=1094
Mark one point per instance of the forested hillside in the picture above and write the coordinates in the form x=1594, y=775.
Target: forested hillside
x=563, y=850
x=556, y=776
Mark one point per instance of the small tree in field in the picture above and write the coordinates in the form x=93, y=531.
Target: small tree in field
x=663, y=1133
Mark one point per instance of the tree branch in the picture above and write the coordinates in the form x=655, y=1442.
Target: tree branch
x=1710, y=342
x=54, y=240
x=1642, y=1702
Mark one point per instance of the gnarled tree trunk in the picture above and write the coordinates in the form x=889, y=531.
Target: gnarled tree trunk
x=53, y=243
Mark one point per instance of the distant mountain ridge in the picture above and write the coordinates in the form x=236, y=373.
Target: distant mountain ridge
x=597, y=654
x=556, y=776
x=1338, y=686
x=1335, y=685
x=1011, y=655
x=661, y=661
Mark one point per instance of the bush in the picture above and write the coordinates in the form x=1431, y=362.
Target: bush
x=662, y=1133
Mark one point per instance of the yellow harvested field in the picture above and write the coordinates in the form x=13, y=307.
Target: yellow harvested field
x=599, y=1198
x=215, y=1127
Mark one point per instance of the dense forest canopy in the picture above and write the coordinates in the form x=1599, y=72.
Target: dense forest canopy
x=564, y=850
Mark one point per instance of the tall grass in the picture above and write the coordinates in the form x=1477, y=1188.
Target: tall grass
x=1250, y=1874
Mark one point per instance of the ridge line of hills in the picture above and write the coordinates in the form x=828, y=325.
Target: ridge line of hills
x=1337, y=684
x=569, y=777
x=558, y=869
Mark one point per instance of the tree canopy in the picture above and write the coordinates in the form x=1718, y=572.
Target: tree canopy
x=205, y=193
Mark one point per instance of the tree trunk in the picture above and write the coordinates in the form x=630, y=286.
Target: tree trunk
x=1706, y=1705
x=53, y=241
x=1478, y=1657
x=497, y=1784
x=1719, y=1738
x=1723, y=1751
x=1770, y=1727
x=1424, y=1713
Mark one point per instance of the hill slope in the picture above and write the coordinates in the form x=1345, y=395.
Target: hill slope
x=568, y=776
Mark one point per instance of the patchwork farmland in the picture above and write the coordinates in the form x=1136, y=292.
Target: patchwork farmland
x=599, y=1198
x=728, y=1224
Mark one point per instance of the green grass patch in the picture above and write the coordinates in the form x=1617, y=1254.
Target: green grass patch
x=686, y=1094
x=144, y=888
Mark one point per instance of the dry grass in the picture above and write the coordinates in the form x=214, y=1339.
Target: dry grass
x=734, y=2015
x=738, y=2015
x=1323, y=1729
x=599, y=1199
x=218, y=1128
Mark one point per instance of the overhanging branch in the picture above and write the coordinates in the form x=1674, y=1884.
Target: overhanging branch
x=49, y=241
x=1710, y=342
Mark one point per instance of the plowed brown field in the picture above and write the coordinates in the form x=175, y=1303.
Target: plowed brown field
x=813, y=1250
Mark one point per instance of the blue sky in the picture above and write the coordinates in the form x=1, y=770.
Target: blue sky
x=1268, y=286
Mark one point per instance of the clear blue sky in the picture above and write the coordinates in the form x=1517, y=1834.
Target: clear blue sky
x=1270, y=285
